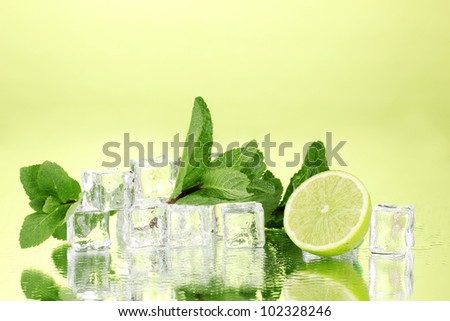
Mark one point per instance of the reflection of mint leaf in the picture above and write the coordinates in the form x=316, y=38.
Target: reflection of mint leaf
x=53, y=180
x=28, y=177
x=38, y=227
x=37, y=285
x=195, y=158
x=226, y=183
x=315, y=162
x=59, y=257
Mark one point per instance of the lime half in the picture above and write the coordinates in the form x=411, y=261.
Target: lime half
x=328, y=214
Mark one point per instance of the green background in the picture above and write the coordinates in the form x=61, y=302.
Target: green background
x=77, y=74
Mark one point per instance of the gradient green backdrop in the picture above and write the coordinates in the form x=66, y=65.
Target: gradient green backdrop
x=76, y=74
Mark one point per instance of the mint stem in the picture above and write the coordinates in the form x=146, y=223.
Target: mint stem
x=185, y=193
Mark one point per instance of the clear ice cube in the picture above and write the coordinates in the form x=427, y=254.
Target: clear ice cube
x=88, y=274
x=88, y=230
x=155, y=178
x=243, y=225
x=189, y=225
x=107, y=190
x=146, y=225
x=391, y=277
x=391, y=229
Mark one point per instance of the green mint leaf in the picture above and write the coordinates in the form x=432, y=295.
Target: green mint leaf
x=53, y=180
x=38, y=203
x=226, y=183
x=61, y=232
x=28, y=177
x=71, y=210
x=37, y=285
x=247, y=159
x=269, y=197
x=38, y=227
x=51, y=203
x=202, y=197
x=315, y=162
x=195, y=158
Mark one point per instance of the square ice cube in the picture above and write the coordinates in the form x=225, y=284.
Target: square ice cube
x=189, y=225
x=391, y=229
x=88, y=274
x=88, y=230
x=107, y=189
x=391, y=276
x=243, y=225
x=146, y=225
x=155, y=178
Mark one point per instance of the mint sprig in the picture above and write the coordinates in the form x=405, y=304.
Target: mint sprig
x=54, y=196
x=238, y=175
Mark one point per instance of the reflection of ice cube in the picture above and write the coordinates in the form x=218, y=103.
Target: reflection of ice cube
x=243, y=268
x=350, y=256
x=391, y=229
x=189, y=225
x=146, y=226
x=107, y=190
x=88, y=274
x=191, y=265
x=88, y=230
x=243, y=225
x=391, y=277
x=155, y=178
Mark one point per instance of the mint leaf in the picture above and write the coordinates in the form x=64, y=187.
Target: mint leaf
x=28, y=178
x=202, y=197
x=51, y=203
x=247, y=159
x=61, y=232
x=72, y=209
x=38, y=203
x=38, y=227
x=226, y=183
x=315, y=162
x=195, y=159
x=53, y=180
x=268, y=192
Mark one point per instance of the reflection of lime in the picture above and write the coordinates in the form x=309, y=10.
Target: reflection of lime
x=326, y=281
x=328, y=214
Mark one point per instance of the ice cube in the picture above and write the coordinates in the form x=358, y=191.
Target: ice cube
x=189, y=225
x=155, y=178
x=146, y=225
x=107, y=189
x=391, y=229
x=88, y=274
x=243, y=224
x=391, y=276
x=88, y=230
